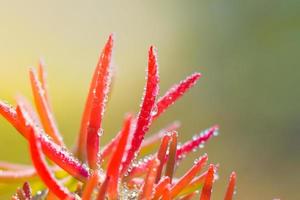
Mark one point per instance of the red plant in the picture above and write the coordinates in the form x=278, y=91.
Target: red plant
x=115, y=171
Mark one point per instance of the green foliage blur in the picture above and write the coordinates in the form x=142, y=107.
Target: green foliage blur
x=248, y=52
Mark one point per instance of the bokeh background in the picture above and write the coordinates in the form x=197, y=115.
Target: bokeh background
x=248, y=52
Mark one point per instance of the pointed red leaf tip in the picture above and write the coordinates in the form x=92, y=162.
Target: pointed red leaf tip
x=91, y=122
x=47, y=118
x=147, y=189
x=175, y=93
x=172, y=156
x=231, y=187
x=9, y=113
x=147, y=109
x=116, y=160
x=90, y=186
x=196, y=142
x=42, y=75
x=42, y=169
x=56, y=153
x=207, y=187
x=161, y=154
x=188, y=176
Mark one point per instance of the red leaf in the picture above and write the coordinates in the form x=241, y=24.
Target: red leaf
x=196, y=142
x=43, y=79
x=172, y=156
x=188, y=176
x=56, y=153
x=175, y=93
x=42, y=169
x=161, y=154
x=145, y=115
x=147, y=189
x=43, y=108
x=207, y=187
x=231, y=187
x=91, y=123
x=115, y=162
x=90, y=185
x=9, y=113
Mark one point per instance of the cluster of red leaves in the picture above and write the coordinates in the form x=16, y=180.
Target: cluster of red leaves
x=115, y=171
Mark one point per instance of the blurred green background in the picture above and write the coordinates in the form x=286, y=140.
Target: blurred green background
x=248, y=52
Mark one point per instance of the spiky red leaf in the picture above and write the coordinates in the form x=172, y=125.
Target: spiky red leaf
x=196, y=142
x=54, y=152
x=175, y=93
x=231, y=187
x=43, y=170
x=161, y=154
x=114, y=165
x=172, y=156
x=47, y=118
x=145, y=114
x=207, y=187
x=188, y=176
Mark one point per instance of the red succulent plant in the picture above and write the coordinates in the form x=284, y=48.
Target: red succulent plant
x=117, y=170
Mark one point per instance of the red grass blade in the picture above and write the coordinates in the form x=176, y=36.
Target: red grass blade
x=145, y=115
x=54, y=152
x=17, y=175
x=113, y=168
x=147, y=189
x=47, y=118
x=231, y=187
x=161, y=154
x=207, y=187
x=196, y=142
x=172, y=156
x=103, y=189
x=160, y=187
x=97, y=99
x=175, y=93
x=43, y=170
x=186, y=179
x=91, y=184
